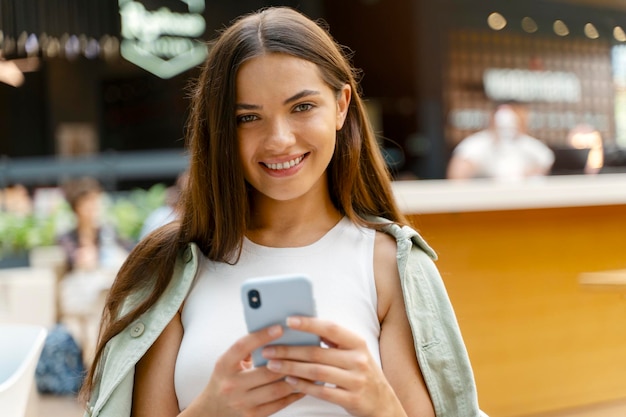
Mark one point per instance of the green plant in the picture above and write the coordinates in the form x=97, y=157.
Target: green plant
x=20, y=233
x=128, y=211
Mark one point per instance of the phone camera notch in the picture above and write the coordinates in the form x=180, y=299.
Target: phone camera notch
x=254, y=298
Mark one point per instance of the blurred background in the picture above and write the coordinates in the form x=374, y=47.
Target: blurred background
x=98, y=90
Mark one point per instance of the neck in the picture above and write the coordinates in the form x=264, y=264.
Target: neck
x=292, y=223
x=87, y=233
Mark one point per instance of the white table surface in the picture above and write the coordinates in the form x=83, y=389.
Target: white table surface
x=445, y=196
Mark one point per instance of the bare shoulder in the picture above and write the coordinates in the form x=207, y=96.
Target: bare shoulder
x=386, y=273
x=385, y=247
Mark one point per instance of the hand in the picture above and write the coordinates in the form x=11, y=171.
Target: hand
x=357, y=381
x=237, y=389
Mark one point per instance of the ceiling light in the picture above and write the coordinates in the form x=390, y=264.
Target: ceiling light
x=560, y=28
x=496, y=21
x=529, y=25
x=591, y=32
x=10, y=74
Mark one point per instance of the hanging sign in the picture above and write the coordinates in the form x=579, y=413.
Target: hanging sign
x=160, y=41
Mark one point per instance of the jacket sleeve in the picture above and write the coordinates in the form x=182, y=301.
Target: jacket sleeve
x=441, y=352
x=113, y=389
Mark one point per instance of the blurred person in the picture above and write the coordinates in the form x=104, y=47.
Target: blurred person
x=585, y=136
x=94, y=254
x=503, y=151
x=16, y=199
x=168, y=212
x=91, y=243
x=285, y=176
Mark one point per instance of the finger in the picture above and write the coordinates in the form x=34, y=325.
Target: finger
x=270, y=408
x=327, y=330
x=243, y=348
x=328, y=343
x=314, y=372
x=269, y=388
x=246, y=364
x=253, y=378
x=314, y=354
x=326, y=392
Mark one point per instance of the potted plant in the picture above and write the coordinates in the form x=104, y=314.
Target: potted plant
x=127, y=211
x=19, y=233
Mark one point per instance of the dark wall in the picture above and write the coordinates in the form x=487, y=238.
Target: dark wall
x=23, y=117
x=386, y=38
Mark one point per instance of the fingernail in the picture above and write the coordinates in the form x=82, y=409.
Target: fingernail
x=273, y=365
x=293, y=321
x=269, y=352
x=274, y=330
x=291, y=380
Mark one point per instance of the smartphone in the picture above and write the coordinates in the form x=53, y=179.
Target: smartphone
x=270, y=300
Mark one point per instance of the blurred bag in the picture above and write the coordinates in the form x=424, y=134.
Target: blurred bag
x=60, y=369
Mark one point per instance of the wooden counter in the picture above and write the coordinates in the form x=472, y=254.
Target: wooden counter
x=517, y=260
x=604, y=280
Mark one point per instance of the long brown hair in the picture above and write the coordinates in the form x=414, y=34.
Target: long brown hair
x=215, y=204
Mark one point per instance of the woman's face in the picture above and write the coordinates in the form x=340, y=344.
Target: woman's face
x=287, y=121
x=88, y=209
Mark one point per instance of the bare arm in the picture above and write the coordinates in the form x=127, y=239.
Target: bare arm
x=234, y=389
x=154, y=394
x=397, y=350
x=460, y=168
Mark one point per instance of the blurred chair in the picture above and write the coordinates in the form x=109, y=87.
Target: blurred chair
x=28, y=296
x=20, y=348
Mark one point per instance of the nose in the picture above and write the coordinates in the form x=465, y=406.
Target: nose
x=279, y=135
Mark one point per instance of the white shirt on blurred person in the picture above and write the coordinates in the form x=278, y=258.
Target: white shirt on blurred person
x=501, y=152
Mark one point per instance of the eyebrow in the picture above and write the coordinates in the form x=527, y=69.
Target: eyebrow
x=295, y=97
x=301, y=94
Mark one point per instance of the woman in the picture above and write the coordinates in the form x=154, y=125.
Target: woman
x=285, y=176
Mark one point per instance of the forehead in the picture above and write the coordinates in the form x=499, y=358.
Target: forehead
x=276, y=73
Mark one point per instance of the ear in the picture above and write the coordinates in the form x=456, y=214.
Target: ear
x=343, y=103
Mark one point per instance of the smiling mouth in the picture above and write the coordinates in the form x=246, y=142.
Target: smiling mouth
x=285, y=165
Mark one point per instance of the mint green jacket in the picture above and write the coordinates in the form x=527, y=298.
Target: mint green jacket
x=441, y=353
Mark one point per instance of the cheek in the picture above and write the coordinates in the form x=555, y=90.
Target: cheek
x=246, y=152
x=326, y=132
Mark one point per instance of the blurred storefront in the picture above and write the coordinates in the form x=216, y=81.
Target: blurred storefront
x=432, y=71
x=436, y=69
x=102, y=86
x=565, y=62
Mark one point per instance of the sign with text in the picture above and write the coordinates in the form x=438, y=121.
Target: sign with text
x=531, y=86
x=161, y=41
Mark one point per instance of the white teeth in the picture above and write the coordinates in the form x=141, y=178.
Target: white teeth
x=285, y=165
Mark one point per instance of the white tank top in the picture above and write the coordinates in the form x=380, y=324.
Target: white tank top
x=340, y=265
